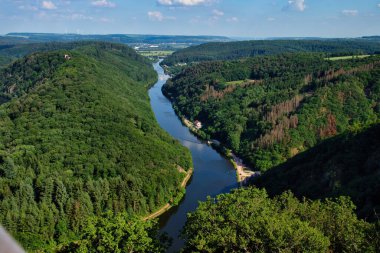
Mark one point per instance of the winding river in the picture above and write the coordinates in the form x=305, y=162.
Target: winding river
x=213, y=174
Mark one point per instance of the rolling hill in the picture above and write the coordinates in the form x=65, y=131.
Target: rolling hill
x=243, y=49
x=78, y=138
x=268, y=109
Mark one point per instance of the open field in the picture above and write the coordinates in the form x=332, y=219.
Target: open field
x=155, y=53
x=240, y=82
x=349, y=57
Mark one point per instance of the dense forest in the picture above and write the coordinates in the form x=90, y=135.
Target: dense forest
x=310, y=123
x=242, y=49
x=268, y=109
x=78, y=138
x=247, y=220
x=344, y=165
x=82, y=158
x=12, y=49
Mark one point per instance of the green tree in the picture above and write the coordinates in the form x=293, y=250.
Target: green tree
x=118, y=233
x=247, y=220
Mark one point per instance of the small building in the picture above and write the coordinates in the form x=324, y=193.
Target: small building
x=198, y=124
x=67, y=57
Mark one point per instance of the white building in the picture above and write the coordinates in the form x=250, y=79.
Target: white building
x=198, y=124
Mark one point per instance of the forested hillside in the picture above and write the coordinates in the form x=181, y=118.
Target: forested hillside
x=11, y=50
x=345, y=165
x=268, y=109
x=243, y=49
x=247, y=220
x=78, y=138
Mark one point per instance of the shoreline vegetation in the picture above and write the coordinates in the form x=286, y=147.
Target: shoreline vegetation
x=243, y=172
x=175, y=200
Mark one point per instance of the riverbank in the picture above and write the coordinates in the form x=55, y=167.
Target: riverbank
x=243, y=172
x=213, y=173
x=167, y=206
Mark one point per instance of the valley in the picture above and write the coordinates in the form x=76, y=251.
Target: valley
x=96, y=143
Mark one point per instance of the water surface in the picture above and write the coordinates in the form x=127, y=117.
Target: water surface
x=213, y=174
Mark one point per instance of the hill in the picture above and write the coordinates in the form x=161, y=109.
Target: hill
x=78, y=139
x=268, y=109
x=346, y=165
x=16, y=45
x=243, y=49
x=119, y=38
x=11, y=50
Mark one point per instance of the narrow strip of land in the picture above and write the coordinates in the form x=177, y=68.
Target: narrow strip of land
x=167, y=206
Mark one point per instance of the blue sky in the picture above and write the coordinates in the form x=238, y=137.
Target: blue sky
x=242, y=18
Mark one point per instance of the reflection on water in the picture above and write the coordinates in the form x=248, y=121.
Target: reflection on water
x=191, y=145
x=213, y=174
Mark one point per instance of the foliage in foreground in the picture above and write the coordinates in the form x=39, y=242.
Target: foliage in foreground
x=117, y=233
x=247, y=220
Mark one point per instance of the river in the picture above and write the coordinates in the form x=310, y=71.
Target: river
x=213, y=174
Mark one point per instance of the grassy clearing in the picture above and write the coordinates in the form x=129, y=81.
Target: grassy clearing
x=155, y=53
x=349, y=57
x=238, y=82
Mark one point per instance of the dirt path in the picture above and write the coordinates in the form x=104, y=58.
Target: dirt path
x=187, y=178
x=167, y=206
x=158, y=213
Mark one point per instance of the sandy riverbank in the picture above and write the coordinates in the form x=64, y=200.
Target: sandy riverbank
x=243, y=172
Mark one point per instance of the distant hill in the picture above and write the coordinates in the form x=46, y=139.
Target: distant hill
x=347, y=165
x=119, y=38
x=243, y=49
x=11, y=50
x=376, y=38
x=78, y=138
x=15, y=45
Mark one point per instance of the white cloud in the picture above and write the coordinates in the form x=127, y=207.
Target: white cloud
x=233, y=20
x=351, y=13
x=78, y=16
x=271, y=19
x=158, y=16
x=155, y=15
x=296, y=5
x=28, y=8
x=103, y=3
x=378, y=5
x=218, y=13
x=105, y=20
x=49, y=5
x=183, y=2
